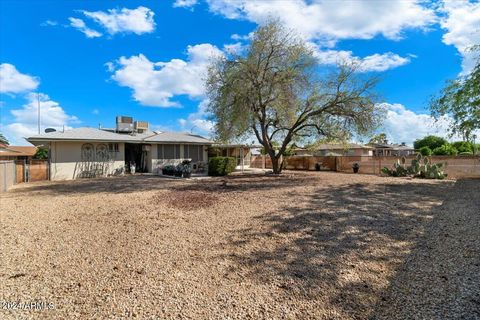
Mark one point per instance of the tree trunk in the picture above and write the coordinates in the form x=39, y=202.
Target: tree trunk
x=276, y=164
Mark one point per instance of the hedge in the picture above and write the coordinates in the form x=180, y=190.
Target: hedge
x=221, y=166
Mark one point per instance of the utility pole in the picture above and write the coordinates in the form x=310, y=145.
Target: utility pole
x=38, y=104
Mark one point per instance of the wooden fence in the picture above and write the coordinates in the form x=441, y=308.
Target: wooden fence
x=31, y=170
x=456, y=167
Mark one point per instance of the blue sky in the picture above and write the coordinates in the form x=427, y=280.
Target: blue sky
x=92, y=60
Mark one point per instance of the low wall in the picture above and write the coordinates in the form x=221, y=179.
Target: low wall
x=7, y=175
x=456, y=167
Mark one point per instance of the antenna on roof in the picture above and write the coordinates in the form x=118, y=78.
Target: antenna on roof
x=38, y=104
x=191, y=130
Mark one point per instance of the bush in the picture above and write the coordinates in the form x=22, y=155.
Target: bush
x=445, y=150
x=221, y=166
x=425, y=151
x=463, y=146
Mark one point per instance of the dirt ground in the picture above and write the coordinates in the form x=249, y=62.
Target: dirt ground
x=315, y=245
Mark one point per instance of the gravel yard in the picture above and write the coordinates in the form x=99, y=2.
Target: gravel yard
x=317, y=245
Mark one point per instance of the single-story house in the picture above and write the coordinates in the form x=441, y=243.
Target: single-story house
x=397, y=150
x=336, y=149
x=91, y=152
x=8, y=152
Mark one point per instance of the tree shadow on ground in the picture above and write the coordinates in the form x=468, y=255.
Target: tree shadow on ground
x=339, y=245
x=440, y=278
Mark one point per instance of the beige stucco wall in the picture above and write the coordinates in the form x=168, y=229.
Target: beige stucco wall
x=66, y=161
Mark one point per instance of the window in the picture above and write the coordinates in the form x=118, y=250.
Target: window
x=194, y=152
x=113, y=147
x=168, y=151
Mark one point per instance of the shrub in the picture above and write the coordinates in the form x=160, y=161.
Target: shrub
x=425, y=151
x=221, y=166
x=445, y=150
x=168, y=170
x=463, y=146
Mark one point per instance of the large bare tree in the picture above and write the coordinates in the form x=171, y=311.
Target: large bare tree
x=276, y=91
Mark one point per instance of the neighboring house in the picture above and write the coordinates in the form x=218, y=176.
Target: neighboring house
x=398, y=150
x=16, y=152
x=91, y=152
x=336, y=149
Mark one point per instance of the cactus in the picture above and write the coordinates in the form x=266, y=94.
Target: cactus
x=421, y=167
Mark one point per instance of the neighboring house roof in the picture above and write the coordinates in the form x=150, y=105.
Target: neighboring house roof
x=340, y=146
x=391, y=146
x=93, y=134
x=17, y=151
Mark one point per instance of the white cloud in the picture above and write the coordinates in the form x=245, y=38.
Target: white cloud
x=234, y=48
x=12, y=81
x=26, y=119
x=404, y=125
x=184, y=3
x=138, y=21
x=328, y=21
x=375, y=62
x=155, y=83
x=95, y=111
x=236, y=36
x=48, y=23
x=462, y=23
x=80, y=25
x=197, y=121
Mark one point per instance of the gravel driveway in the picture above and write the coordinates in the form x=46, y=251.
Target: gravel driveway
x=298, y=246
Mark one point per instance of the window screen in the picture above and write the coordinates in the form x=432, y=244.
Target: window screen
x=169, y=151
x=160, y=151
x=177, y=151
x=194, y=152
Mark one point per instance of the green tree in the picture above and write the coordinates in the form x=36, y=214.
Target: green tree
x=42, y=153
x=276, y=92
x=380, y=138
x=460, y=99
x=425, y=151
x=432, y=142
x=3, y=139
x=445, y=150
x=463, y=146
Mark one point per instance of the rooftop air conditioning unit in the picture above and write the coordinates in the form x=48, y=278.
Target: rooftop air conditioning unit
x=124, y=119
x=141, y=125
x=124, y=124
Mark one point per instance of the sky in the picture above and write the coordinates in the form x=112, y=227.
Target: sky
x=85, y=62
